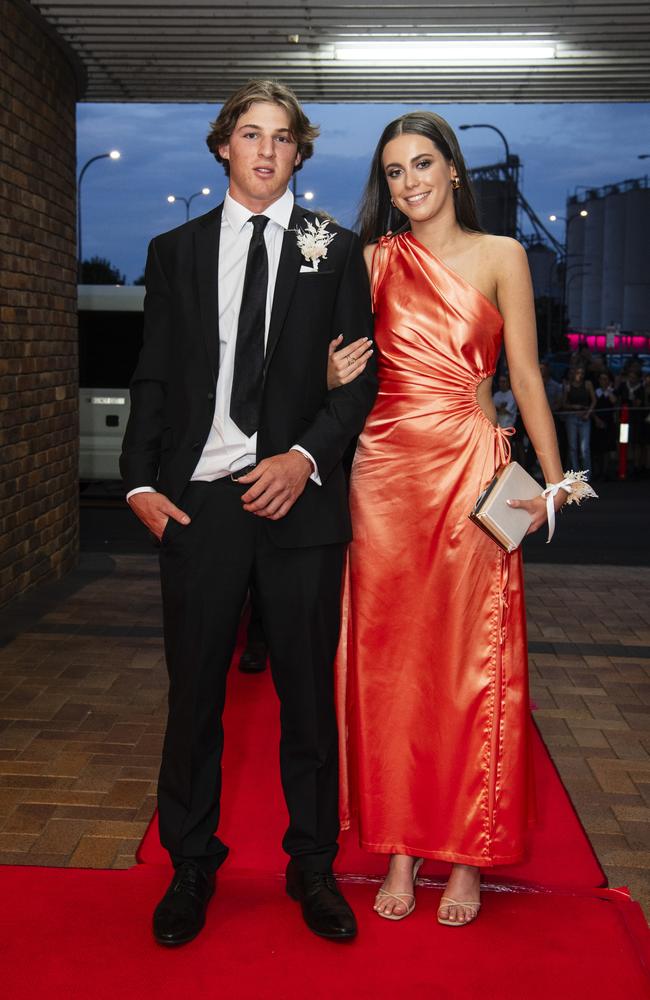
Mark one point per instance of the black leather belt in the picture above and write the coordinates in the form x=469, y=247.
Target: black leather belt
x=235, y=476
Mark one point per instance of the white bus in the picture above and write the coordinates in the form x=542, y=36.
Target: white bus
x=110, y=338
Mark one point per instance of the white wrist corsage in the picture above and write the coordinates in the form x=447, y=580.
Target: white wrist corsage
x=313, y=241
x=576, y=485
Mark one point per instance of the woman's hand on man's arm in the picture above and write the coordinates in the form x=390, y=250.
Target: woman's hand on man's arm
x=347, y=363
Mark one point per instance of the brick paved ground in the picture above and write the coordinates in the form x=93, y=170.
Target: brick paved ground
x=82, y=708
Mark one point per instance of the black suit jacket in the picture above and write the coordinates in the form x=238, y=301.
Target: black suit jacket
x=173, y=387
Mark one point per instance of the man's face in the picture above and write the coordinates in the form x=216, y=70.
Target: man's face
x=262, y=154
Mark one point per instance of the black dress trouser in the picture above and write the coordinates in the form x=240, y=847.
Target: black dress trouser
x=205, y=570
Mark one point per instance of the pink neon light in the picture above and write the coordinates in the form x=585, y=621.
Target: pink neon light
x=598, y=342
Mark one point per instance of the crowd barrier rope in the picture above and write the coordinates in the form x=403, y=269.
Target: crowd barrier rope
x=623, y=411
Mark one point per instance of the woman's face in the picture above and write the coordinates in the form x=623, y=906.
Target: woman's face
x=578, y=375
x=603, y=380
x=418, y=176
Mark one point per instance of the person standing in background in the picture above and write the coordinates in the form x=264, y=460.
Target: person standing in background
x=504, y=403
x=552, y=388
x=632, y=392
x=603, y=434
x=578, y=400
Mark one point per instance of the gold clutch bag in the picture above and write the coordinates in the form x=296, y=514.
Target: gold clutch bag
x=506, y=525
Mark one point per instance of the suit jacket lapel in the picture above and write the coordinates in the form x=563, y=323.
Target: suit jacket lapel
x=285, y=282
x=206, y=257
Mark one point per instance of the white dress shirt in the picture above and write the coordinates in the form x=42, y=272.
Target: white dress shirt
x=227, y=448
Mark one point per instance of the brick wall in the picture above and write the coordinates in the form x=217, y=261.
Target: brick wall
x=38, y=335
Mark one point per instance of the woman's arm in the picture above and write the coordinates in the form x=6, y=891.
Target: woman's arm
x=344, y=364
x=516, y=305
x=344, y=410
x=368, y=255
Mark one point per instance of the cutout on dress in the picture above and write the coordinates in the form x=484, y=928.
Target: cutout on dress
x=484, y=401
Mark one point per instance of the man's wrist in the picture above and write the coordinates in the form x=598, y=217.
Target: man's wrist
x=306, y=461
x=313, y=471
x=139, y=489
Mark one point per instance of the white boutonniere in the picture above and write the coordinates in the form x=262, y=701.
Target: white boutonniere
x=313, y=241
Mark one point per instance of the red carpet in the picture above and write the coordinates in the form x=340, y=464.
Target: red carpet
x=85, y=935
x=82, y=935
x=254, y=815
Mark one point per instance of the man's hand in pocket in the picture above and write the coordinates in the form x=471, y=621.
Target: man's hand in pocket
x=155, y=510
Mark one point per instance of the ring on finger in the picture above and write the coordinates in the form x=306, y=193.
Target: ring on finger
x=350, y=360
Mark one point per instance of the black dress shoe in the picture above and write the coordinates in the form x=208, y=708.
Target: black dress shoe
x=253, y=659
x=180, y=914
x=324, y=909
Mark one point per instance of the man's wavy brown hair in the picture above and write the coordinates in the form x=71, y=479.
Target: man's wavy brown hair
x=271, y=92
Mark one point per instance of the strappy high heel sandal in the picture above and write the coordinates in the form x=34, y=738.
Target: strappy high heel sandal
x=406, y=898
x=448, y=901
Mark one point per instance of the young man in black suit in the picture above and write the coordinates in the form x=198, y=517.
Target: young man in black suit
x=232, y=459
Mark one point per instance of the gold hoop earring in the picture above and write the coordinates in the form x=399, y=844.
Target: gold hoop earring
x=455, y=183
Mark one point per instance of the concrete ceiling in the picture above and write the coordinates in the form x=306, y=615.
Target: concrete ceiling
x=204, y=49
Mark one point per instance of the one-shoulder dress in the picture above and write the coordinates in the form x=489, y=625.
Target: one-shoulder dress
x=432, y=686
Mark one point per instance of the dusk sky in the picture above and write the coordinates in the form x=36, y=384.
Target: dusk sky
x=163, y=151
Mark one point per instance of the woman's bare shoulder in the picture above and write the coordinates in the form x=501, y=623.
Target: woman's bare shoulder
x=374, y=253
x=502, y=251
x=500, y=247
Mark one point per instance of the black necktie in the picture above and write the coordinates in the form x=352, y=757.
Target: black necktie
x=248, y=376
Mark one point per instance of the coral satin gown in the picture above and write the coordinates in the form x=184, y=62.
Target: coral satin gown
x=432, y=673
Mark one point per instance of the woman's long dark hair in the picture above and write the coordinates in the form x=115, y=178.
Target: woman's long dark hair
x=377, y=215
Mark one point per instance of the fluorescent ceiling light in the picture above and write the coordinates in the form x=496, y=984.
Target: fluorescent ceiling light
x=463, y=52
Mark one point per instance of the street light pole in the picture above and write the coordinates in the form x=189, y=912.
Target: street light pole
x=113, y=155
x=582, y=214
x=307, y=195
x=494, y=129
x=171, y=198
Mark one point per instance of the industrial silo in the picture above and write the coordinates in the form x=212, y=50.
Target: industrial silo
x=611, y=310
x=592, y=279
x=608, y=269
x=542, y=262
x=575, y=236
x=636, y=288
x=496, y=201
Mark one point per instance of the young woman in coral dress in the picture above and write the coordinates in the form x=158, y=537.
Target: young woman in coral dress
x=432, y=672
